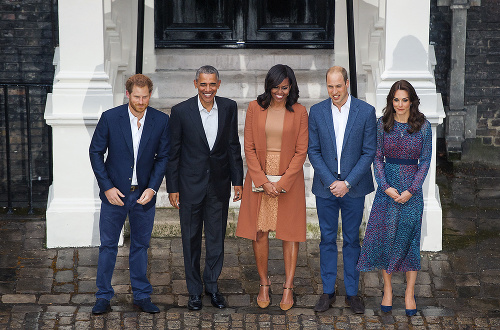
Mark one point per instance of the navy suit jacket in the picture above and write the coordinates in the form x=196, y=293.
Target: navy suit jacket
x=358, y=148
x=192, y=164
x=114, y=136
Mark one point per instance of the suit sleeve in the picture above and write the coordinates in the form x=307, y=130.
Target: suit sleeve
x=368, y=149
x=256, y=171
x=378, y=162
x=97, y=149
x=175, y=133
x=300, y=155
x=161, y=158
x=314, y=151
x=235, y=161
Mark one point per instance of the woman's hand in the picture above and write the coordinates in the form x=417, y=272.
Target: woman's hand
x=405, y=196
x=270, y=190
x=279, y=189
x=392, y=193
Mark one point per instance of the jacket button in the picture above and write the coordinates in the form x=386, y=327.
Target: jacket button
x=130, y=178
x=208, y=171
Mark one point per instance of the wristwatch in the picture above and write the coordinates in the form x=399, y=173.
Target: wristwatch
x=347, y=184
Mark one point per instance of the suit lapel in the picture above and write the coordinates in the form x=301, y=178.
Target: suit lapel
x=146, y=131
x=125, y=127
x=221, y=118
x=353, y=113
x=327, y=113
x=194, y=113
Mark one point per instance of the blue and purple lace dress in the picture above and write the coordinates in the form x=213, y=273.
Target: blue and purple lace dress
x=392, y=239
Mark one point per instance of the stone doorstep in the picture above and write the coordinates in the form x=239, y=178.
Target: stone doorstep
x=167, y=224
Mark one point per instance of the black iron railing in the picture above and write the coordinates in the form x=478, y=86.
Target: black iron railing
x=26, y=141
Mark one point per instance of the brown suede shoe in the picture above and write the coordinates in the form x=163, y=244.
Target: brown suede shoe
x=356, y=303
x=324, y=302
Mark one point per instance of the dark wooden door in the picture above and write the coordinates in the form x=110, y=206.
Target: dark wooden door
x=245, y=23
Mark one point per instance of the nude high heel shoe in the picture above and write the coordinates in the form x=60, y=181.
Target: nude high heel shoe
x=284, y=306
x=265, y=303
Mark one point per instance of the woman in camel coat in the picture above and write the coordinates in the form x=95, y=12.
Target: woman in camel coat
x=276, y=131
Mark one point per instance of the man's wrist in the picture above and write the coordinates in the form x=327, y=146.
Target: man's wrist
x=347, y=184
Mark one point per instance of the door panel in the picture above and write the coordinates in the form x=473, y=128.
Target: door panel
x=248, y=23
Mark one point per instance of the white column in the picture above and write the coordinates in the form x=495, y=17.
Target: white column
x=407, y=55
x=81, y=92
x=149, y=63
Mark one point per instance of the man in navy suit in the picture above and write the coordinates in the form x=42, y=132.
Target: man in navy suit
x=205, y=158
x=136, y=140
x=342, y=145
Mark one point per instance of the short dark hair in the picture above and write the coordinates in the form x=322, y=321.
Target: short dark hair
x=274, y=77
x=138, y=80
x=340, y=69
x=207, y=69
x=416, y=119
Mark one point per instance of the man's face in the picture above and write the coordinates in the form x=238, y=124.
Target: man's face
x=207, y=85
x=337, y=88
x=139, y=100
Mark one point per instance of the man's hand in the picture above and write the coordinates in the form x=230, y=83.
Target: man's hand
x=174, y=199
x=238, y=193
x=392, y=193
x=405, y=196
x=146, y=196
x=113, y=195
x=339, y=189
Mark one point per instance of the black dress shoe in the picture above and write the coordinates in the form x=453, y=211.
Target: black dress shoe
x=217, y=299
x=194, y=303
x=324, y=302
x=101, y=306
x=146, y=305
x=356, y=303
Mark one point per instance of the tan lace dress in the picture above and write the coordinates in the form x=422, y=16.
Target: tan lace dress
x=268, y=212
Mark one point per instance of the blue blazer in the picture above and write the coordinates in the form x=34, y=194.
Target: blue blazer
x=358, y=149
x=114, y=136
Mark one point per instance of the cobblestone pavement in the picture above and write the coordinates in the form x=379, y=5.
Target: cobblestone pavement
x=457, y=288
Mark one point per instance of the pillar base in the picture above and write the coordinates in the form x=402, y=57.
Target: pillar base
x=72, y=222
x=432, y=224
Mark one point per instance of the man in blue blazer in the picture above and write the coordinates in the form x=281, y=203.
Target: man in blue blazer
x=342, y=145
x=205, y=158
x=135, y=138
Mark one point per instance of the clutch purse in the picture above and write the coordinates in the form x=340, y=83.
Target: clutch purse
x=271, y=178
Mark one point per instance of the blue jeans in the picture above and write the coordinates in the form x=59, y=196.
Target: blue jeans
x=328, y=215
x=110, y=225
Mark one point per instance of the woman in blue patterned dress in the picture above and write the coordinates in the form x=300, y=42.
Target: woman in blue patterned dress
x=404, y=149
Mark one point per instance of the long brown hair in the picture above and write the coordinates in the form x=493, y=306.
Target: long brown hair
x=274, y=77
x=416, y=119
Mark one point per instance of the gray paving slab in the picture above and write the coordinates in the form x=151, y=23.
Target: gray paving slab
x=457, y=288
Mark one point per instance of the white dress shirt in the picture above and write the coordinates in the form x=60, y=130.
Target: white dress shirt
x=136, y=139
x=339, y=123
x=210, y=121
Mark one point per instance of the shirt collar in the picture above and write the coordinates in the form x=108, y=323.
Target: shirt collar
x=346, y=106
x=201, y=108
x=133, y=118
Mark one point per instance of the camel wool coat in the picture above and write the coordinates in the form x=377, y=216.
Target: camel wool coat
x=291, y=224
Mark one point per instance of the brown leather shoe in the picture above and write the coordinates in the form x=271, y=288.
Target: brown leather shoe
x=324, y=302
x=356, y=303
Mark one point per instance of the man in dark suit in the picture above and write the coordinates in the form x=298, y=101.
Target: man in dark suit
x=136, y=140
x=205, y=158
x=342, y=146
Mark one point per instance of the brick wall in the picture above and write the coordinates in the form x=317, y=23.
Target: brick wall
x=440, y=37
x=482, y=72
x=27, y=50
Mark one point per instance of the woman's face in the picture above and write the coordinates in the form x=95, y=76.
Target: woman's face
x=401, y=103
x=280, y=93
